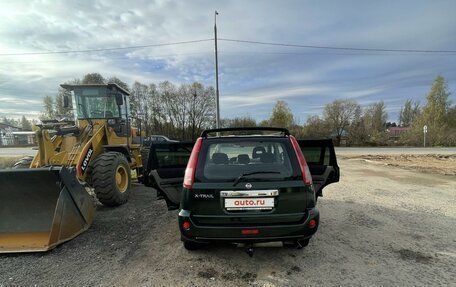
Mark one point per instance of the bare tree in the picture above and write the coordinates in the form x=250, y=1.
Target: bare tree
x=202, y=108
x=339, y=115
x=156, y=111
x=139, y=104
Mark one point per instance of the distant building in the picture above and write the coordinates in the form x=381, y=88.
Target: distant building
x=394, y=133
x=23, y=138
x=6, y=134
x=13, y=136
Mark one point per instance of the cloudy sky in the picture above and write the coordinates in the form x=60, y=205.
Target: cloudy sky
x=252, y=76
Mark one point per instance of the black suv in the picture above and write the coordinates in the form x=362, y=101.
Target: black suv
x=244, y=188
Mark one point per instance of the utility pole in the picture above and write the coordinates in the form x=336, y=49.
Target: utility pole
x=217, y=104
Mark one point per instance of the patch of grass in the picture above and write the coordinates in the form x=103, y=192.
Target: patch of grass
x=7, y=162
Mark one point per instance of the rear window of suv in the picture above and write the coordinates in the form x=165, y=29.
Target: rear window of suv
x=225, y=159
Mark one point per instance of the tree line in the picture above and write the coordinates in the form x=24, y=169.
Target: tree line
x=24, y=124
x=183, y=111
x=345, y=120
x=177, y=111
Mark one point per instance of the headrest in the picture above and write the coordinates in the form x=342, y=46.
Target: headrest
x=220, y=158
x=243, y=159
x=258, y=151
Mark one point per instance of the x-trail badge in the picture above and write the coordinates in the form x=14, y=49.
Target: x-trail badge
x=248, y=185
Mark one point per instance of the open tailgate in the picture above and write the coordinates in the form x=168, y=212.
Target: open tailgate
x=321, y=159
x=165, y=170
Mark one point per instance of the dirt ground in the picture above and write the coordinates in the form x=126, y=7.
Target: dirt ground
x=380, y=226
x=431, y=163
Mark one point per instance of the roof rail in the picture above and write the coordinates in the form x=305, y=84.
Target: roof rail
x=283, y=130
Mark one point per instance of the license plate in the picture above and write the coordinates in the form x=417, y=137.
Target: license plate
x=259, y=203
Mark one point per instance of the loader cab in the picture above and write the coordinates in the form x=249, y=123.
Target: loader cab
x=101, y=103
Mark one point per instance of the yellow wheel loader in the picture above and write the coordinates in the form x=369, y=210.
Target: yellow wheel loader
x=46, y=200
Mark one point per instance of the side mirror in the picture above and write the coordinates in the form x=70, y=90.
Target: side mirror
x=119, y=99
x=66, y=102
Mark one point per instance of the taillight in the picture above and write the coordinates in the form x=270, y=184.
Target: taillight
x=189, y=176
x=306, y=176
x=186, y=225
x=312, y=223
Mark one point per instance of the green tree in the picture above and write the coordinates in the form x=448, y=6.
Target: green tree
x=117, y=81
x=264, y=123
x=26, y=125
x=316, y=127
x=5, y=120
x=48, y=108
x=437, y=106
x=358, y=132
x=246, y=121
x=451, y=117
x=281, y=115
x=436, y=115
x=375, y=117
x=93, y=78
x=409, y=113
x=59, y=107
x=12, y=122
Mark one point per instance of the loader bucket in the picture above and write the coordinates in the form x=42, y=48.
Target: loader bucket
x=41, y=208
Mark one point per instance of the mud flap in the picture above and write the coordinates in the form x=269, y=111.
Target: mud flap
x=41, y=208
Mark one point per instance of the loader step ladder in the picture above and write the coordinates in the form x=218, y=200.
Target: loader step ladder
x=74, y=152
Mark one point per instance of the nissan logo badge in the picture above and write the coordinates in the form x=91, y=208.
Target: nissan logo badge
x=248, y=185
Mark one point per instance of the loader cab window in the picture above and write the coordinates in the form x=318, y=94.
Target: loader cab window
x=95, y=103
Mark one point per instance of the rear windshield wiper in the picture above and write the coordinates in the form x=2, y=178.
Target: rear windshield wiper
x=236, y=181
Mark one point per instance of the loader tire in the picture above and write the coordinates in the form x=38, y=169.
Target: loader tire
x=111, y=178
x=24, y=162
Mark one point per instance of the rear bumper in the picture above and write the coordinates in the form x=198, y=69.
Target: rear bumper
x=266, y=233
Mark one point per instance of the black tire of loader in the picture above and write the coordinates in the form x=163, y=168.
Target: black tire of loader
x=104, y=178
x=24, y=162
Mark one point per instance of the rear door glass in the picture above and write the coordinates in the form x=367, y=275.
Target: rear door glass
x=312, y=154
x=165, y=156
x=169, y=156
x=225, y=160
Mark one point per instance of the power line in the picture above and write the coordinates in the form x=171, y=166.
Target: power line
x=337, y=48
x=238, y=41
x=115, y=59
x=106, y=49
x=327, y=53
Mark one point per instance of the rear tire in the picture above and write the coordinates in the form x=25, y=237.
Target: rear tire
x=111, y=178
x=24, y=162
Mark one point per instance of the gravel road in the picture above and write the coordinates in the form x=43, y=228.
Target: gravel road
x=380, y=226
x=348, y=151
x=16, y=151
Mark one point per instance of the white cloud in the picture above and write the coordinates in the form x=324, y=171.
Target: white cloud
x=252, y=77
